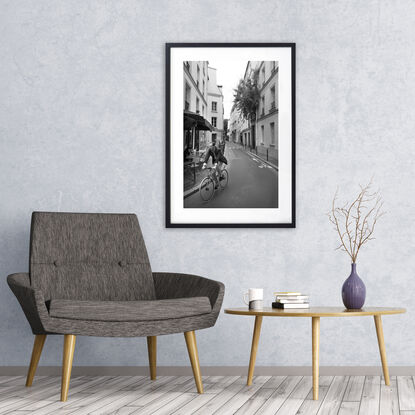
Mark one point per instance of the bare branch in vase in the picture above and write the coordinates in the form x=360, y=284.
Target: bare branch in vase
x=355, y=222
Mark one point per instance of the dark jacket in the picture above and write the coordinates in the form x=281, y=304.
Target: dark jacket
x=216, y=155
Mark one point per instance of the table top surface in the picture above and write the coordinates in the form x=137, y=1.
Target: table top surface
x=315, y=312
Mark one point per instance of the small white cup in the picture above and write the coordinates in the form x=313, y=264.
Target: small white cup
x=254, y=298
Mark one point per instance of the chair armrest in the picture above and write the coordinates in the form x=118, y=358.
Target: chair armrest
x=31, y=300
x=174, y=285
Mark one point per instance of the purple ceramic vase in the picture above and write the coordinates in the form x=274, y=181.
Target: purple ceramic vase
x=353, y=291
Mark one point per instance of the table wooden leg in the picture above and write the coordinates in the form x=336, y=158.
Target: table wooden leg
x=254, y=348
x=382, y=350
x=316, y=347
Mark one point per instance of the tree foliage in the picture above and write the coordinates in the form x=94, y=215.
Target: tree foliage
x=246, y=96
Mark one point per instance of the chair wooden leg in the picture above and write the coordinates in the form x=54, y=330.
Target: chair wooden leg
x=194, y=358
x=152, y=355
x=382, y=350
x=254, y=349
x=36, y=352
x=68, y=350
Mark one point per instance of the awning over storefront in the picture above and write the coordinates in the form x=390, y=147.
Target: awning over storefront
x=195, y=120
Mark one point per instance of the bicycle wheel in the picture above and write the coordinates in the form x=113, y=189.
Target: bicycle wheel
x=224, y=177
x=206, y=189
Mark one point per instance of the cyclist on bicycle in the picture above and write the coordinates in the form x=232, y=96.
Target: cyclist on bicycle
x=217, y=160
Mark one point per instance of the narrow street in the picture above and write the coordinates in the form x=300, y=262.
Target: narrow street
x=252, y=183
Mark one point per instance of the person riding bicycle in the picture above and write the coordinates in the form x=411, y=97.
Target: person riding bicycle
x=217, y=160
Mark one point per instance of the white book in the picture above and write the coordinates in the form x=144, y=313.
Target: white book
x=284, y=301
x=306, y=305
x=289, y=293
x=286, y=306
x=297, y=298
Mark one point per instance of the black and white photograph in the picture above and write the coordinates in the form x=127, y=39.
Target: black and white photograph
x=230, y=134
x=234, y=142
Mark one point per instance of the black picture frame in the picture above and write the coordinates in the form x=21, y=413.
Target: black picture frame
x=168, y=221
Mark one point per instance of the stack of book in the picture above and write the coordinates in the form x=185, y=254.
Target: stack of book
x=291, y=300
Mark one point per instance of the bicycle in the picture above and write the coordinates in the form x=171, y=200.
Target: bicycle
x=207, y=185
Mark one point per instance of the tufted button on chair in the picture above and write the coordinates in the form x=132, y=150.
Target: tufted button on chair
x=78, y=286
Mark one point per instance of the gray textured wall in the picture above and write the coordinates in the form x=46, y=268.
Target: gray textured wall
x=82, y=129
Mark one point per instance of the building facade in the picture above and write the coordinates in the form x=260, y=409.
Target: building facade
x=215, y=108
x=239, y=131
x=267, y=114
x=195, y=97
x=265, y=142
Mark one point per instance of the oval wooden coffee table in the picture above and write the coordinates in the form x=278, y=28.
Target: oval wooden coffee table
x=315, y=313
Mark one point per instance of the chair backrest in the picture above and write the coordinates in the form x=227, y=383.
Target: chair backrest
x=89, y=256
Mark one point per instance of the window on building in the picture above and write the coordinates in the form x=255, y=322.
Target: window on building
x=214, y=119
x=197, y=105
x=187, y=97
x=214, y=137
x=263, y=105
x=198, y=76
x=214, y=106
x=272, y=126
x=262, y=134
x=273, y=97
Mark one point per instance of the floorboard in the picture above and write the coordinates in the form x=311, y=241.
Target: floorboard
x=354, y=389
x=389, y=403
x=369, y=405
x=275, y=401
x=333, y=399
x=349, y=408
x=167, y=395
x=406, y=393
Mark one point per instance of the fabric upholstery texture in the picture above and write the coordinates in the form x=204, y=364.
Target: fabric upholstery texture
x=129, y=310
x=25, y=294
x=70, y=250
x=175, y=285
x=102, y=257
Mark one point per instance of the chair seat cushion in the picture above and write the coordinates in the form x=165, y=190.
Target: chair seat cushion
x=129, y=310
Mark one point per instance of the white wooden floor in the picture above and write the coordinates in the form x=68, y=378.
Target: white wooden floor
x=342, y=395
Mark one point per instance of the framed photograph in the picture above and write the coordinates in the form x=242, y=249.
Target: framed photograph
x=230, y=135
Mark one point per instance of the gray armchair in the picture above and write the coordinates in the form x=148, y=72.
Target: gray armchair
x=90, y=275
